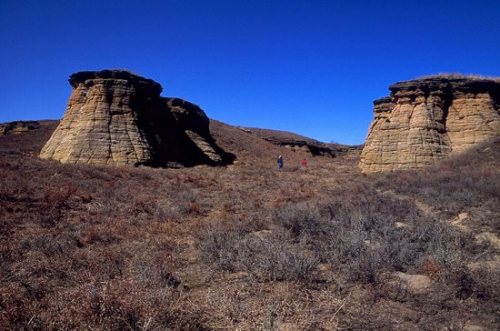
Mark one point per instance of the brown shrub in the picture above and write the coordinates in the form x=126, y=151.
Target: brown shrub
x=430, y=267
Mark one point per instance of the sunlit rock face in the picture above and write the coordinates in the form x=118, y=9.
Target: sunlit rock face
x=427, y=119
x=115, y=117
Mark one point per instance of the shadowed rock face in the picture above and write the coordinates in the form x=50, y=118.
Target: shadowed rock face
x=425, y=120
x=195, y=125
x=116, y=117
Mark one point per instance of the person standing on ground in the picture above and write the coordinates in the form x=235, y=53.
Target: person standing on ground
x=280, y=163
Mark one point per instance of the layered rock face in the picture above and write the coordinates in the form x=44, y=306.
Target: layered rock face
x=425, y=120
x=116, y=117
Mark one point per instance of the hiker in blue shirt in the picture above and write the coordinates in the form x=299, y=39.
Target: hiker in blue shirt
x=280, y=163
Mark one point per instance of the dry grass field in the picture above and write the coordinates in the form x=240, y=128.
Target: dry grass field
x=245, y=247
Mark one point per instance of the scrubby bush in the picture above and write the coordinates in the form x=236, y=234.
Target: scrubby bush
x=267, y=255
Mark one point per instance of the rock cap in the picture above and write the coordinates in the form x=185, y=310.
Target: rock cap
x=142, y=82
x=382, y=100
x=474, y=84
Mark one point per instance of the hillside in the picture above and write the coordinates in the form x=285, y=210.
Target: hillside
x=297, y=142
x=244, y=247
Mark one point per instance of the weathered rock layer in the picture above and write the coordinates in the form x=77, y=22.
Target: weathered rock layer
x=425, y=120
x=116, y=117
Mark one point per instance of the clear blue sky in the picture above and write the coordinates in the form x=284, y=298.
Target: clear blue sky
x=312, y=67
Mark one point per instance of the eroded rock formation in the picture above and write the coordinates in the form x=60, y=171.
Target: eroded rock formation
x=116, y=117
x=425, y=120
x=195, y=124
x=17, y=127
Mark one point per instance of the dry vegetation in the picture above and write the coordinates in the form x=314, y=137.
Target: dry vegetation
x=245, y=247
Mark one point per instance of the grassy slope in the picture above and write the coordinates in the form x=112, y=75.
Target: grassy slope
x=243, y=246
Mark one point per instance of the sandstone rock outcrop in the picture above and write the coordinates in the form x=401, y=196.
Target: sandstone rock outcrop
x=427, y=119
x=18, y=127
x=116, y=117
